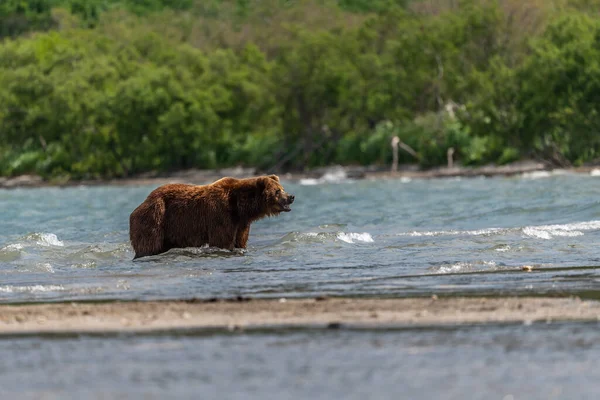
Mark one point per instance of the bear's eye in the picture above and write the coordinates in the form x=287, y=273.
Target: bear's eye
x=277, y=192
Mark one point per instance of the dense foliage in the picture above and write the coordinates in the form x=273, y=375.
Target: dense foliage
x=92, y=88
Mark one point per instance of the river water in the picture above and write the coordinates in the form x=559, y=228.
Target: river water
x=348, y=238
x=391, y=238
x=498, y=362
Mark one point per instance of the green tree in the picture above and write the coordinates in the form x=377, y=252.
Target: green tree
x=559, y=86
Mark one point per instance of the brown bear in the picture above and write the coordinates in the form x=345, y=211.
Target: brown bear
x=218, y=214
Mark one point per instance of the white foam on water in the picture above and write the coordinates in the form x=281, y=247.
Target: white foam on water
x=202, y=251
x=334, y=176
x=566, y=230
x=538, y=232
x=11, y=252
x=49, y=239
x=297, y=236
x=595, y=172
x=454, y=268
x=576, y=226
x=31, y=289
x=503, y=249
x=479, y=232
x=40, y=239
x=45, y=267
x=464, y=267
x=309, y=181
x=544, y=174
x=536, y=175
x=351, y=237
x=322, y=237
x=15, y=246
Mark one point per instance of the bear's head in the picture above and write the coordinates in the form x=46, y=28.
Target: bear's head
x=277, y=199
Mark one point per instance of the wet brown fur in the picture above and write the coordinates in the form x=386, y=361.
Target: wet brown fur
x=218, y=214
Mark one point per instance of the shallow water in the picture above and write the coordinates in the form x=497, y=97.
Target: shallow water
x=556, y=361
x=394, y=238
x=384, y=238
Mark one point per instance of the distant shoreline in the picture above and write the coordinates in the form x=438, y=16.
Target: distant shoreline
x=197, y=176
x=221, y=315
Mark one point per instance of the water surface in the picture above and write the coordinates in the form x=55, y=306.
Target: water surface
x=385, y=238
x=555, y=361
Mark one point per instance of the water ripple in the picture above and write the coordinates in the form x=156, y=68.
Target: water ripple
x=356, y=238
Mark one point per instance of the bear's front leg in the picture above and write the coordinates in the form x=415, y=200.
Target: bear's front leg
x=241, y=238
x=224, y=237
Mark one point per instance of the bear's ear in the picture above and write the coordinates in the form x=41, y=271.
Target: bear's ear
x=261, y=183
x=274, y=177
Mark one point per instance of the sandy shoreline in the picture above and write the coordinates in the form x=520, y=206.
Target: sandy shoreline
x=155, y=316
x=196, y=176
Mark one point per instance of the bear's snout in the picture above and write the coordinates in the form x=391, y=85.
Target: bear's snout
x=285, y=202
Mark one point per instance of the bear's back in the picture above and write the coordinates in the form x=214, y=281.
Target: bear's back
x=192, y=212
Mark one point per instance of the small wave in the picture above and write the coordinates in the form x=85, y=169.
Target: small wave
x=13, y=247
x=31, y=289
x=536, y=175
x=307, y=237
x=11, y=252
x=576, y=226
x=85, y=265
x=332, y=226
x=35, y=239
x=595, y=172
x=45, y=267
x=544, y=174
x=323, y=237
x=179, y=254
x=309, y=181
x=364, y=237
x=461, y=267
x=566, y=230
x=538, y=232
x=336, y=175
x=49, y=239
x=44, y=239
x=502, y=248
x=479, y=232
x=14, y=251
x=454, y=268
x=100, y=252
x=549, y=233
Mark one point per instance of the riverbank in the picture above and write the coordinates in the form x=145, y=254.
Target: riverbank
x=240, y=314
x=335, y=173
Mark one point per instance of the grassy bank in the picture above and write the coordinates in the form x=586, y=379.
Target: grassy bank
x=113, y=88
